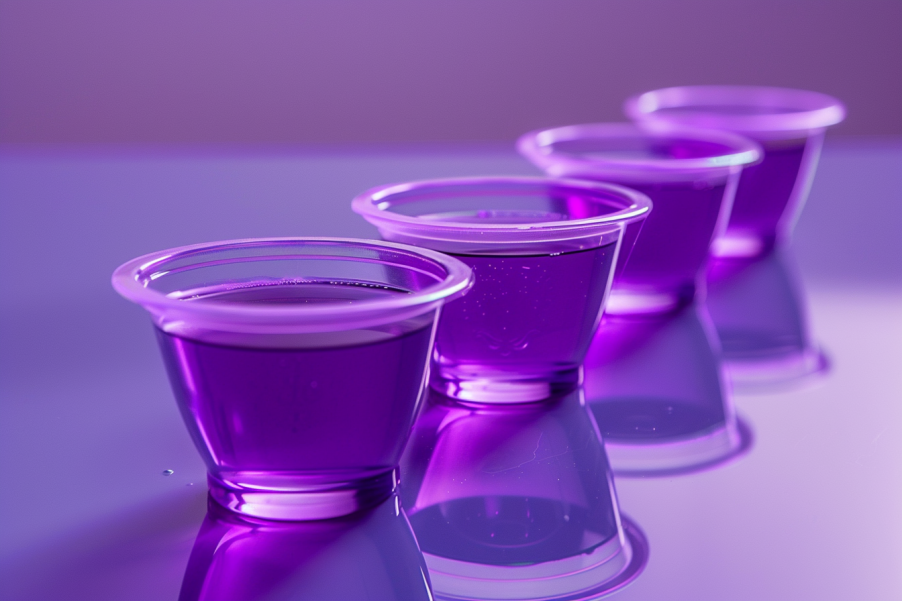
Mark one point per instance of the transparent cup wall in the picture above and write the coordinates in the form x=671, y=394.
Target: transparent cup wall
x=543, y=253
x=258, y=337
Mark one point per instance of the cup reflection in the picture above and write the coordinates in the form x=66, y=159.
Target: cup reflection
x=654, y=385
x=758, y=307
x=368, y=555
x=516, y=502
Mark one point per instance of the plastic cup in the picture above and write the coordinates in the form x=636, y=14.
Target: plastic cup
x=542, y=251
x=789, y=125
x=297, y=363
x=517, y=502
x=690, y=175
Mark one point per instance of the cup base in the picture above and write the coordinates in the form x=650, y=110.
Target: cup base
x=631, y=302
x=735, y=245
x=301, y=499
x=686, y=455
x=606, y=569
x=506, y=388
x=775, y=372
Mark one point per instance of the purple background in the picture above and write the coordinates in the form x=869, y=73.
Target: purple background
x=289, y=72
x=87, y=420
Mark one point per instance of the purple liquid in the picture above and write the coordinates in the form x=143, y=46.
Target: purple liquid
x=765, y=190
x=284, y=412
x=672, y=250
x=526, y=317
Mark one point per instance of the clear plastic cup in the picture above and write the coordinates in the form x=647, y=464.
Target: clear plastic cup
x=789, y=125
x=297, y=363
x=517, y=502
x=542, y=251
x=690, y=175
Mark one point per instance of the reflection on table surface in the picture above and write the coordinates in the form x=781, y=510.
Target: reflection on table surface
x=516, y=501
x=369, y=555
x=759, y=310
x=654, y=384
x=88, y=424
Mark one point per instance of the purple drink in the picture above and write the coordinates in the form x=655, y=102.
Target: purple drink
x=269, y=418
x=687, y=209
x=543, y=252
x=297, y=364
x=764, y=192
x=530, y=317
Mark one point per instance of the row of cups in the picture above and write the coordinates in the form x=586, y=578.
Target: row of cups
x=299, y=364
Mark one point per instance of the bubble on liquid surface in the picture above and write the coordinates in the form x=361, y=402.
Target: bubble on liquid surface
x=168, y=472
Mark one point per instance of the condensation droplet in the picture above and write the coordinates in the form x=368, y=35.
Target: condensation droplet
x=168, y=472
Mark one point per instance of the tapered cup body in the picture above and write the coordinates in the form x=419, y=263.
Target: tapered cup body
x=543, y=253
x=297, y=363
x=690, y=176
x=788, y=124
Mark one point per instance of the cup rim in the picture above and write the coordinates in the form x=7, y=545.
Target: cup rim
x=537, y=146
x=126, y=280
x=808, y=110
x=372, y=205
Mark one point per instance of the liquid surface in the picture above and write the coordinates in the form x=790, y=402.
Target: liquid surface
x=498, y=208
x=268, y=415
x=292, y=292
x=631, y=148
x=526, y=314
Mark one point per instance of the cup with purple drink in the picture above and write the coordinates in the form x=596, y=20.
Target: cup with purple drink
x=690, y=175
x=788, y=124
x=297, y=363
x=542, y=251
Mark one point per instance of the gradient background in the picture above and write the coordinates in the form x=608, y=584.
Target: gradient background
x=335, y=71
